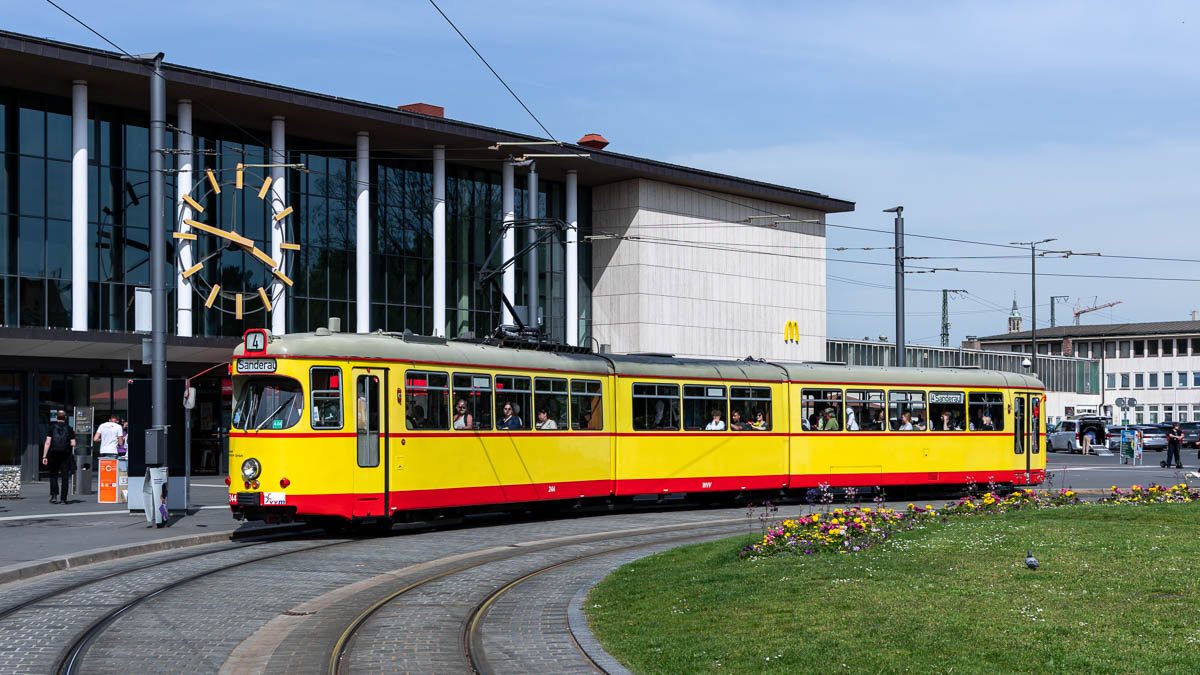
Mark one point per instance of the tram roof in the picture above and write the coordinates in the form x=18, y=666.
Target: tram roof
x=922, y=377
x=407, y=347
x=460, y=353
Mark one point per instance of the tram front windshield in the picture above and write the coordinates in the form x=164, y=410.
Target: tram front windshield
x=268, y=403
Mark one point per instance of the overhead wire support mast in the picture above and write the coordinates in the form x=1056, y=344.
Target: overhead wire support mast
x=901, y=355
x=946, y=313
x=1033, y=256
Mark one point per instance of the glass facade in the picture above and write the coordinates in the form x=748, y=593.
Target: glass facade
x=35, y=229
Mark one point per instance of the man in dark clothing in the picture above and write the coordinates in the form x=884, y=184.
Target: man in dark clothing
x=56, y=456
x=1174, y=440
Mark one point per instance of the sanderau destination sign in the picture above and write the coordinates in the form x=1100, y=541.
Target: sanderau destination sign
x=256, y=365
x=945, y=397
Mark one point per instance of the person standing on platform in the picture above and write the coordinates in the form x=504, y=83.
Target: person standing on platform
x=56, y=457
x=109, y=436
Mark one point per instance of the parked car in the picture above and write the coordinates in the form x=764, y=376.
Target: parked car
x=1191, y=432
x=1114, y=438
x=1153, y=436
x=1069, y=433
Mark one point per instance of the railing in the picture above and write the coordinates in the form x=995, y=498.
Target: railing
x=1058, y=373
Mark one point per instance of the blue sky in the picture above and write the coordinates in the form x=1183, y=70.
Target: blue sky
x=988, y=121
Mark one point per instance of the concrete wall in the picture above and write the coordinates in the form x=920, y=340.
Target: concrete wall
x=678, y=291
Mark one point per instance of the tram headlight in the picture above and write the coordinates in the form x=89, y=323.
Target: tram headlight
x=251, y=469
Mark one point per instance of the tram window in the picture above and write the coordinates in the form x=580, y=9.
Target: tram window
x=750, y=408
x=367, y=420
x=269, y=403
x=325, y=386
x=986, y=409
x=947, y=411
x=472, y=402
x=426, y=400
x=821, y=409
x=587, y=410
x=656, y=407
x=513, y=409
x=704, y=408
x=550, y=397
x=906, y=410
x=864, y=410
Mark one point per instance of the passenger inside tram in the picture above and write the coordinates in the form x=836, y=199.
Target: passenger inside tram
x=462, y=419
x=736, y=423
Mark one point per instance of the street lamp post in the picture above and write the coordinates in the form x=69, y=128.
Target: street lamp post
x=1033, y=296
x=901, y=357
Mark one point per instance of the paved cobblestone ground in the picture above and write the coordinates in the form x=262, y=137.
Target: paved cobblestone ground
x=285, y=614
x=36, y=635
x=525, y=630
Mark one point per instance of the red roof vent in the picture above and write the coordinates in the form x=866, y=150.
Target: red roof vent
x=425, y=109
x=593, y=141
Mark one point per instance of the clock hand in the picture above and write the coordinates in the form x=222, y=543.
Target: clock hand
x=224, y=234
x=262, y=255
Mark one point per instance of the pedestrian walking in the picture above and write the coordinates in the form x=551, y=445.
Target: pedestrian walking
x=56, y=457
x=1174, y=441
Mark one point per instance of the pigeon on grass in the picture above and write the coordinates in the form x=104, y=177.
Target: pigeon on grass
x=1030, y=561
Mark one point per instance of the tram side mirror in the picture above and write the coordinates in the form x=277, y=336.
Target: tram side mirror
x=189, y=398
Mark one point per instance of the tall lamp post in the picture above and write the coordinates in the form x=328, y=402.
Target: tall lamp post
x=901, y=357
x=1033, y=296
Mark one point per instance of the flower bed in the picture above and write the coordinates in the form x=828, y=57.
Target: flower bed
x=856, y=528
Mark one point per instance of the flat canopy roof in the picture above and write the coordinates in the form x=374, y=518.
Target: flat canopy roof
x=47, y=66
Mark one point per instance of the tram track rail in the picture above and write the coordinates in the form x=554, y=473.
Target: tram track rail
x=472, y=636
x=469, y=636
x=245, y=543
x=70, y=659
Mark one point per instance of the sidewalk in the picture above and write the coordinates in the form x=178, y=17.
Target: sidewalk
x=41, y=537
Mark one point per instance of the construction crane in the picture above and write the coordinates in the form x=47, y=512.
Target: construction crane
x=1085, y=310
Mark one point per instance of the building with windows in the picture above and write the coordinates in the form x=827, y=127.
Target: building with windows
x=1072, y=383
x=1156, y=363
x=287, y=208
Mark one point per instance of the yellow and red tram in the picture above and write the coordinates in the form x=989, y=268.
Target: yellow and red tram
x=331, y=426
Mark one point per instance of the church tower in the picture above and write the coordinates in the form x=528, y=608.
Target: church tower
x=1014, y=318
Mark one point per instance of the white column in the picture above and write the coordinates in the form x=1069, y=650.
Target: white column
x=79, y=205
x=508, y=246
x=439, y=240
x=362, y=233
x=532, y=273
x=183, y=181
x=572, y=266
x=279, y=199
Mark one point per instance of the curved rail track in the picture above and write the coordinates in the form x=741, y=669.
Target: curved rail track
x=470, y=634
x=72, y=657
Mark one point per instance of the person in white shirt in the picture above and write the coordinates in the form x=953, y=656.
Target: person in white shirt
x=109, y=434
x=717, y=424
x=544, y=422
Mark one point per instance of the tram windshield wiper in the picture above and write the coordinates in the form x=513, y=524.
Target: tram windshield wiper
x=272, y=415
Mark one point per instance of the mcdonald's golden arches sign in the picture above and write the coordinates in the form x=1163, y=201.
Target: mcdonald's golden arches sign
x=791, y=332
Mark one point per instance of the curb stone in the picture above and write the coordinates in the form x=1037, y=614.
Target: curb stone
x=578, y=625
x=54, y=564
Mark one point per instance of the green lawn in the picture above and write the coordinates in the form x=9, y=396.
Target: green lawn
x=1117, y=592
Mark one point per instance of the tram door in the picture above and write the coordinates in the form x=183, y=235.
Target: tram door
x=1027, y=414
x=370, y=425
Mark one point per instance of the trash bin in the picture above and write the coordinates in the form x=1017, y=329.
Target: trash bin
x=83, y=471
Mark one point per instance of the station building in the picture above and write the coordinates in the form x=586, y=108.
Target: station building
x=1157, y=364
x=385, y=217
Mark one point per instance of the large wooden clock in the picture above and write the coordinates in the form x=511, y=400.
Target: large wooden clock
x=205, y=272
